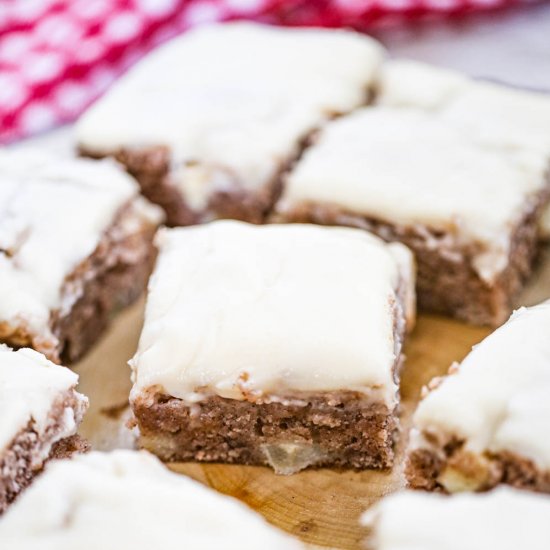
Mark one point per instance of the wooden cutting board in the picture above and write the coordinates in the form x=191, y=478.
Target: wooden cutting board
x=322, y=507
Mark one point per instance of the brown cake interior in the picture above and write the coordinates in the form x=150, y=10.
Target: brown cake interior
x=336, y=429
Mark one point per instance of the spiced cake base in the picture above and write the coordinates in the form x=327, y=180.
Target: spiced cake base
x=454, y=469
x=339, y=429
x=151, y=167
x=447, y=282
x=28, y=452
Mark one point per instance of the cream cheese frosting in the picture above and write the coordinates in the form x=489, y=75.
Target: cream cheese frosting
x=407, y=167
x=127, y=499
x=232, y=101
x=491, y=115
x=497, y=398
x=257, y=312
x=53, y=213
x=505, y=518
x=29, y=387
x=405, y=83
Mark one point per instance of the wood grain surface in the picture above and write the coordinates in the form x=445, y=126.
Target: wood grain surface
x=322, y=507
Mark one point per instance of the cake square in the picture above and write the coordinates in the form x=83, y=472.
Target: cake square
x=469, y=213
x=209, y=122
x=487, y=421
x=273, y=344
x=504, y=518
x=75, y=245
x=128, y=499
x=40, y=412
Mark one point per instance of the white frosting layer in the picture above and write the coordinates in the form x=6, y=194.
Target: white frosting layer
x=498, y=398
x=244, y=311
x=29, y=385
x=233, y=100
x=53, y=213
x=504, y=519
x=489, y=114
x=406, y=83
x=128, y=499
x=503, y=117
x=407, y=167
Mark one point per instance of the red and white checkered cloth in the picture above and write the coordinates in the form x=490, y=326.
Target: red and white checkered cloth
x=57, y=56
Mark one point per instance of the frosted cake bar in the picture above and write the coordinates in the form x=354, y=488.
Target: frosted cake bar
x=209, y=121
x=40, y=412
x=75, y=245
x=487, y=421
x=490, y=114
x=469, y=213
x=274, y=345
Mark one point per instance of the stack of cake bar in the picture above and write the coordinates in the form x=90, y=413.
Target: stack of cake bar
x=326, y=189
